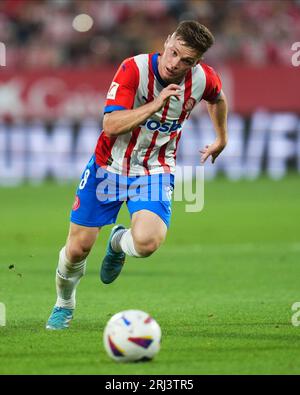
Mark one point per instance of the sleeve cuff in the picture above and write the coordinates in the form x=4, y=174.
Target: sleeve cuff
x=215, y=98
x=113, y=108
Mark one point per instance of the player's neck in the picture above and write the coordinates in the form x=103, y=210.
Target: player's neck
x=175, y=81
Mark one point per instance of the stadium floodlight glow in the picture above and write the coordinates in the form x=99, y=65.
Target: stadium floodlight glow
x=82, y=22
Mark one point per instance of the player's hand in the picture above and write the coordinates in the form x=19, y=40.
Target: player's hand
x=212, y=150
x=165, y=94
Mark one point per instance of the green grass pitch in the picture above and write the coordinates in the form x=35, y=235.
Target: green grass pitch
x=221, y=287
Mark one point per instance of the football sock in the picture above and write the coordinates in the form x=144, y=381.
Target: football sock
x=126, y=244
x=68, y=276
x=115, y=241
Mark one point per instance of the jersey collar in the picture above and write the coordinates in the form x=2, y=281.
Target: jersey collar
x=155, y=70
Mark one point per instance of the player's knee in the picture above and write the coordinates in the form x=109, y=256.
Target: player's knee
x=146, y=246
x=77, y=252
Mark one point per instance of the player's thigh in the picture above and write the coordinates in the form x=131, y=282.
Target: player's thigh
x=80, y=240
x=148, y=226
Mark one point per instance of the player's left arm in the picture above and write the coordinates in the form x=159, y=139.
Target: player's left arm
x=218, y=113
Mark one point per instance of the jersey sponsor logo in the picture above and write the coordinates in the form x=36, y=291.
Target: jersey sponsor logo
x=189, y=104
x=76, y=203
x=113, y=91
x=165, y=127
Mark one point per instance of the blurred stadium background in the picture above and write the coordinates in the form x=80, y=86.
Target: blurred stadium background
x=243, y=249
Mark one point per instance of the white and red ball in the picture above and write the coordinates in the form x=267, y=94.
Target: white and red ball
x=132, y=336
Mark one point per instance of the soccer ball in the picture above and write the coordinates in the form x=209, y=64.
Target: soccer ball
x=132, y=336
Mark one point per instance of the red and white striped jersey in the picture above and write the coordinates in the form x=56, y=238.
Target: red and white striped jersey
x=151, y=147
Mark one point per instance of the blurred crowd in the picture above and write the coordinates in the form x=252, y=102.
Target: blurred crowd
x=40, y=33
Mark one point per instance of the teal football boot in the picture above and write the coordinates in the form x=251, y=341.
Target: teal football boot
x=113, y=262
x=59, y=318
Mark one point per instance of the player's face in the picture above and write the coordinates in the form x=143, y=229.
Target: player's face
x=176, y=60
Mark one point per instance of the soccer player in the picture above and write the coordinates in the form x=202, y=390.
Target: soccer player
x=147, y=104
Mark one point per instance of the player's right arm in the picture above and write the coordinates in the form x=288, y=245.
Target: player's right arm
x=119, y=115
x=121, y=122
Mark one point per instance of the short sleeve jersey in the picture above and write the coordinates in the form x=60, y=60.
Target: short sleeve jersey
x=151, y=147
